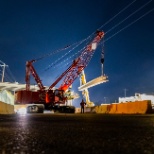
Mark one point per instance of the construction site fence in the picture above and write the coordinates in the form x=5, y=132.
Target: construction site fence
x=137, y=107
x=6, y=108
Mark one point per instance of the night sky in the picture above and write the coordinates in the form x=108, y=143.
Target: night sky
x=32, y=28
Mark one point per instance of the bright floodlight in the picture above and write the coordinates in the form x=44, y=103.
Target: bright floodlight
x=94, y=45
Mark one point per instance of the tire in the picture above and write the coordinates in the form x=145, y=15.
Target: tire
x=33, y=109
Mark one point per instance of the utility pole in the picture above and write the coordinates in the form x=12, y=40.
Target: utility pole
x=3, y=71
x=125, y=90
x=105, y=99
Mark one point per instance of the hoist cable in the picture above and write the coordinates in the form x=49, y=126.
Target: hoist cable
x=117, y=14
x=62, y=49
x=52, y=53
x=55, y=62
x=88, y=36
x=119, y=22
x=129, y=25
x=128, y=16
x=52, y=65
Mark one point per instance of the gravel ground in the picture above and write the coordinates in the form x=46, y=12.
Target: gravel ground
x=76, y=133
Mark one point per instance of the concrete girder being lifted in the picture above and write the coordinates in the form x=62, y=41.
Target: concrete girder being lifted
x=93, y=82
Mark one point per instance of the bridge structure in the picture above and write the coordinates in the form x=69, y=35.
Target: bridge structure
x=16, y=86
x=8, y=89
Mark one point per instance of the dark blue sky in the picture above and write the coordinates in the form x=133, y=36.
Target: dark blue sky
x=32, y=28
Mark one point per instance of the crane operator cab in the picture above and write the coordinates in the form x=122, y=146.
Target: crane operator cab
x=57, y=102
x=55, y=97
x=59, y=96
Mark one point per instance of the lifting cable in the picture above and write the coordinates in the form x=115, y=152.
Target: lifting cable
x=54, y=63
x=129, y=24
x=102, y=57
x=74, y=55
x=62, y=49
x=119, y=32
x=52, y=53
x=128, y=17
x=114, y=16
x=117, y=14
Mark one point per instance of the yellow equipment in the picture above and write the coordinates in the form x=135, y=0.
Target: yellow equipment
x=85, y=92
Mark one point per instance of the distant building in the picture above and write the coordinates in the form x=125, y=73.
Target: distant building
x=137, y=97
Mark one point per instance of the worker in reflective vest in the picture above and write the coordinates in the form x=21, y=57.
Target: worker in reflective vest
x=82, y=104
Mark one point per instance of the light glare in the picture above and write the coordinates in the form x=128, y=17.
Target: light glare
x=22, y=110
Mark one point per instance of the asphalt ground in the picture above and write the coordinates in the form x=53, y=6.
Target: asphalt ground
x=76, y=134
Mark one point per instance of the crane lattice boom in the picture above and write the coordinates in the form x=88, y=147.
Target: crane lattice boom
x=30, y=69
x=79, y=63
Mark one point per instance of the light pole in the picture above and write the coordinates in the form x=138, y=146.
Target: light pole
x=125, y=90
x=105, y=99
x=3, y=71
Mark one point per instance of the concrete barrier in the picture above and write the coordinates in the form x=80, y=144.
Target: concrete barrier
x=113, y=108
x=120, y=108
x=138, y=107
x=77, y=110
x=3, y=109
x=6, y=108
x=102, y=109
x=146, y=107
x=93, y=109
x=10, y=109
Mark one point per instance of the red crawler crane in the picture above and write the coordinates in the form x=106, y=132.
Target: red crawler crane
x=49, y=97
